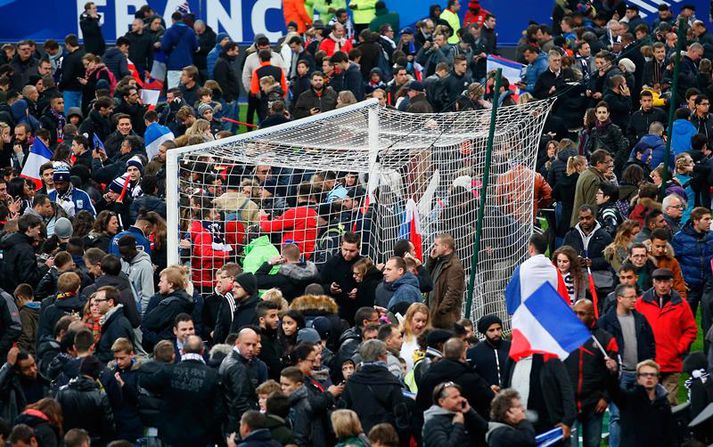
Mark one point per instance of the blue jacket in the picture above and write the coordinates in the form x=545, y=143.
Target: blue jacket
x=212, y=57
x=653, y=149
x=405, y=290
x=534, y=70
x=179, y=42
x=683, y=131
x=138, y=235
x=115, y=61
x=80, y=199
x=694, y=252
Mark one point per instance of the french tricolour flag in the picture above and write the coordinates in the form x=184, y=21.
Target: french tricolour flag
x=39, y=155
x=411, y=227
x=544, y=324
x=528, y=277
x=153, y=137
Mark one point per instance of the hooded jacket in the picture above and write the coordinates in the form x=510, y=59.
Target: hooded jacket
x=503, y=435
x=291, y=279
x=403, y=290
x=179, y=42
x=113, y=325
x=683, y=131
x=19, y=264
x=673, y=325
x=140, y=273
x=157, y=323
x=116, y=61
x=694, y=252
x=373, y=393
x=439, y=429
x=653, y=150
x=86, y=405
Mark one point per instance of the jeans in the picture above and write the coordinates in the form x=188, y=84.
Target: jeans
x=230, y=110
x=71, y=99
x=591, y=424
x=173, y=78
x=626, y=380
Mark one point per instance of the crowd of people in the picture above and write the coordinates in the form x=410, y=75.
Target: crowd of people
x=267, y=339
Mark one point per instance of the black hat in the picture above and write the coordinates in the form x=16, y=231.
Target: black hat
x=488, y=320
x=91, y=366
x=323, y=326
x=438, y=336
x=662, y=274
x=248, y=282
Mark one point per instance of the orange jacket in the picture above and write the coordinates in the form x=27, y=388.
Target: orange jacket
x=255, y=80
x=295, y=11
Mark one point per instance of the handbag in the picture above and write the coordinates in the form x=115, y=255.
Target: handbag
x=603, y=279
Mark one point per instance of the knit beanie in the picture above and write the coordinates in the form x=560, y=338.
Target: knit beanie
x=63, y=228
x=61, y=173
x=135, y=161
x=248, y=282
x=203, y=107
x=488, y=320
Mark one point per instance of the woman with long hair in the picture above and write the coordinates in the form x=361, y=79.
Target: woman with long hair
x=566, y=260
x=106, y=226
x=91, y=317
x=18, y=189
x=617, y=252
x=564, y=194
x=367, y=277
x=631, y=179
x=684, y=175
x=348, y=429
x=585, y=135
x=416, y=321
x=45, y=418
x=291, y=323
x=82, y=224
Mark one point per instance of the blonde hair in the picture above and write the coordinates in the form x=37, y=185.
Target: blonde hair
x=362, y=266
x=199, y=127
x=413, y=310
x=176, y=275
x=274, y=295
x=574, y=162
x=346, y=424
x=650, y=363
x=682, y=160
x=268, y=388
x=122, y=345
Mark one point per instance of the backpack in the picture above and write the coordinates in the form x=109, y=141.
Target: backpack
x=110, y=75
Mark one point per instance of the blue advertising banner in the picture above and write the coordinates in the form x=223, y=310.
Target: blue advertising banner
x=242, y=19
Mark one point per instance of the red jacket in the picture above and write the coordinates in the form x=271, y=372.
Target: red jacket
x=674, y=328
x=329, y=46
x=206, y=257
x=298, y=225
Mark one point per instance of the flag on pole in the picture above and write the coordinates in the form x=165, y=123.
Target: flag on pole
x=544, y=324
x=593, y=292
x=411, y=227
x=153, y=137
x=39, y=155
x=528, y=277
x=184, y=8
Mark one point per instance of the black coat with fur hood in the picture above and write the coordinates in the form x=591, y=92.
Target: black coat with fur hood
x=313, y=306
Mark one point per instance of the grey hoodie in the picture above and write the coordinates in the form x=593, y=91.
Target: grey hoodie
x=299, y=272
x=140, y=273
x=434, y=411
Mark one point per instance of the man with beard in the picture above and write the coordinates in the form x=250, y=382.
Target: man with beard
x=71, y=199
x=488, y=357
x=271, y=350
x=319, y=98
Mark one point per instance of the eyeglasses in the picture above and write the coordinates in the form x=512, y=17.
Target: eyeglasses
x=647, y=374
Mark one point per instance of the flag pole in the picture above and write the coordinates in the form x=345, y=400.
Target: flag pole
x=601, y=348
x=483, y=192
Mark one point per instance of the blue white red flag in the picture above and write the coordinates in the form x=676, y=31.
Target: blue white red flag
x=39, y=155
x=97, y=142
x=411, y=227
x=544, y=324
x=153, y=137
x=528, y=277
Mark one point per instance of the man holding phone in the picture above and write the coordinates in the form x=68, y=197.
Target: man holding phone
x=319, y=98
x=451, y=418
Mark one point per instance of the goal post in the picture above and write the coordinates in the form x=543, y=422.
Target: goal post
x=379, y=172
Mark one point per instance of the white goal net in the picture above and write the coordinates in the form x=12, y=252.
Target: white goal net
x=365, y=169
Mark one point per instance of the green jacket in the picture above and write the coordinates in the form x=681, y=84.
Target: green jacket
x=384, y=17
x=323, y=8
x=257, y=253
x=363, y=11
x=586, y=192
x=454, y=22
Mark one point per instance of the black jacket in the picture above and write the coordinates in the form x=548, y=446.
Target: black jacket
x=19, y=264
x=115, y=61
x=300, y=417
x=595, y=251
x=47, y=434
x=114, y=325
x=239, y=382
x=50, y=315
x=224, y=74
x=186, y=387
x=551, y=393
x=259, y=438
x=373, y=393
x=502, y=435
x=16, y=393
x=338, y=270
x=157, y=323
x=85, y=405
x=587, y=370
x=92, y=33
x=126, y=295
x=475, y=389
x=72, y=68
x=10, y=323
x=324, y=101
x=140, y=49
x=644, y=422
x=353, y=81
x=641, y=120
x=645, y=344
x=271, y=353
x=439, y=429
x=490, y=361
x=244, y=314
x=291, y=285
x=95, y=124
